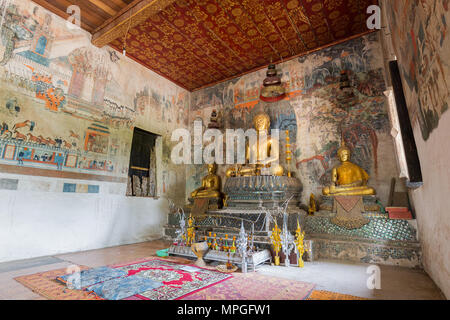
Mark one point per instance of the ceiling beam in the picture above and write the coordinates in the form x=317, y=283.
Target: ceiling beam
x=52, y=8
x=135, y=13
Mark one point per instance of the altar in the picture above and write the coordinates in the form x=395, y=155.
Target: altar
x=346, y=223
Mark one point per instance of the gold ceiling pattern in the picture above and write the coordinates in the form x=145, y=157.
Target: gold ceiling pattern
x=196, y=43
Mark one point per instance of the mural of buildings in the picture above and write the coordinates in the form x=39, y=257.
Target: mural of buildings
x=66, y=105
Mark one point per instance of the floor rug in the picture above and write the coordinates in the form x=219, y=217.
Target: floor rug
x=327, y=295
x=123, y=287
x=91, y=276
x=255, y=286
x=178, y=280
x=46, y=285
x=178, y=284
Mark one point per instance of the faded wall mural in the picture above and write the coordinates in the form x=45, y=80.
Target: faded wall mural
x=315, y=113
x=66, y=105
x=421, y=42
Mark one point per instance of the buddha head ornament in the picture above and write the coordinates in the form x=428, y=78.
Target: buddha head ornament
x=344, y=152
x=261, y=122
x=212, y=168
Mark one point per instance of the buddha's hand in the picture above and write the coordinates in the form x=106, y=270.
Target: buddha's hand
x=357, y=183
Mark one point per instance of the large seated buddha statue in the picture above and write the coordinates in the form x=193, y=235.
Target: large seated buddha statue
x=348, y=179
x=267, y=153
x=210, y=187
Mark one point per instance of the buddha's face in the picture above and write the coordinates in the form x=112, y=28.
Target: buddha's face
x=211, y=169
x=344, y=155
x=262, y=123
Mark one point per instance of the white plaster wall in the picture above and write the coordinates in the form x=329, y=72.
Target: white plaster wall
x=432, y=202
x=46, y=221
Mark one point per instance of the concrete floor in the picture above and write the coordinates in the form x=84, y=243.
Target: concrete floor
x=337, y=276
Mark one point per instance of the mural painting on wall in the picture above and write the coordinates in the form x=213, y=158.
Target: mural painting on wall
x=311, y=111
x=422, y=45
x=67, y=105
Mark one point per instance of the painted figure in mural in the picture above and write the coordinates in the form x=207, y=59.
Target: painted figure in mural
x=210, y=185
x=4, y=130
x=20, y=158
x=13, y=106
x=348, y=179
x=59, y=160
x=267, y=153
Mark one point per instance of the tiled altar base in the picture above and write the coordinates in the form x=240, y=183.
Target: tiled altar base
x=326, y=246
x=342, y=277
x=400, y=254
x=382, y=241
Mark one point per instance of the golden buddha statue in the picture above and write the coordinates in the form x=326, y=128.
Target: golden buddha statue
x=267, y=153
x=348, y=179
x=210, y=185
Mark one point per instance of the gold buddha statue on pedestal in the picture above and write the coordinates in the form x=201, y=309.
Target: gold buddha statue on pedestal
x=210, y=185
x=267, y=153
x=348, y=179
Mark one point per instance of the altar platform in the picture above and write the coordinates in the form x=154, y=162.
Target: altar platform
x=257, y=201
x=382, y=241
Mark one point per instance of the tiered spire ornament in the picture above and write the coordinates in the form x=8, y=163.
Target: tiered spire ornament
x=276, y=242
x=287, y=241
x=299, y=245
x=288, y=154
x=242, y=247
x=181, y=233
x=190, y=238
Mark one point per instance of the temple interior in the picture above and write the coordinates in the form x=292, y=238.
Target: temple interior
x=224, y=150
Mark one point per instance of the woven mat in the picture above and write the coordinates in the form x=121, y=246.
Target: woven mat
x=255, y=286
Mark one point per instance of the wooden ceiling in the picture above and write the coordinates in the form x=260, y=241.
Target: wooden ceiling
x=94, y=13
x=196, y=43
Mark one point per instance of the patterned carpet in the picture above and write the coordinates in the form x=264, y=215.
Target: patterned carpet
x=178, y=284
x=255, y=286
x=45, y=284
x=177, y=280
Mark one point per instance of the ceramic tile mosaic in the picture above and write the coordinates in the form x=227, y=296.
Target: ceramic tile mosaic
x=377, y=229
